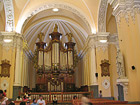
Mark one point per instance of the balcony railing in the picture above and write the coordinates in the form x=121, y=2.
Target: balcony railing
x=61, y=96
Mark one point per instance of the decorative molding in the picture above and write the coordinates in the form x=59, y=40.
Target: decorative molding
x=113, y=39
x=4, y=84
x=62, y=6
x=106, y=83
x=124, y=82
x=93, y=41
x=102, y=36
x=102, y=16
x=18, y=41
x=90, y=43
x=15, y=37
x=9, y=14
x=125, y=8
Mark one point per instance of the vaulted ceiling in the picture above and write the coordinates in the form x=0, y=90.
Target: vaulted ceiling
x=79, y=17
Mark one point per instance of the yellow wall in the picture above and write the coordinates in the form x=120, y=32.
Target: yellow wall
x=113, y=71
x=111, y=25
x=9, y=55
x=102, y=54
x=129, y=40
x=2, y=19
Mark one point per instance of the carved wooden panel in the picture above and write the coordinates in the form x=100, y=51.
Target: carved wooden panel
x=5, y=68
x=105, y=68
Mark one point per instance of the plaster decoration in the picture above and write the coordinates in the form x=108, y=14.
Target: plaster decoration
x=113, y=39
x=9, y=14
x=101, y=46
x=124, y=82
x=4, y=85
x=120, y=64
x=14, y=37
x=17, y=42
x=90, y=43
x=102, y=36
x=93, y=41
x=102, y=16
x=65, y=6
x=125, y=8
x=106, y=84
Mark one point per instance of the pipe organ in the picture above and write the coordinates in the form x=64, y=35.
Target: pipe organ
x=55, y=63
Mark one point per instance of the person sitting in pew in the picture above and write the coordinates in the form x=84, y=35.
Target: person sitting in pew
x=18, y=98
x=25, y=98
x=34, y=102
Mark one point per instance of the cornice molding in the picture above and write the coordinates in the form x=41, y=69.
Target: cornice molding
x=124, y=8
x=93, y=41
x=18, y=41
x=62, y=5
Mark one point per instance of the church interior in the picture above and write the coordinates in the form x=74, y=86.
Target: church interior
x=66, y=47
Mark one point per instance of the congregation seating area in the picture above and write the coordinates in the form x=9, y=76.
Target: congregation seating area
x=67, y=97
x=62, y=97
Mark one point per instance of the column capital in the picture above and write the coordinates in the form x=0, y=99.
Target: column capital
x=101, y=40
x=11, y=39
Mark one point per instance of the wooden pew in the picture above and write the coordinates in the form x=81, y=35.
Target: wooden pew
x=100, y=102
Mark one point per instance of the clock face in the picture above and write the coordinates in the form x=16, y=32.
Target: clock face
x=106, y=84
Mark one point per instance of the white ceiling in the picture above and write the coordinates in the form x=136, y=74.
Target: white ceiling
x=67, y=22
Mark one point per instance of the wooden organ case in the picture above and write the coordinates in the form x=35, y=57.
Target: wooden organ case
x=55, y=64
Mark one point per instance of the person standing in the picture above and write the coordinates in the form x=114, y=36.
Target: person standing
x=54, y=100
x=41, y=101
x=100, y=94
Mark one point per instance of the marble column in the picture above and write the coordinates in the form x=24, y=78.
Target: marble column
x=18, y=69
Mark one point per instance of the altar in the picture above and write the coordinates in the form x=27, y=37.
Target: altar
x=54, y=63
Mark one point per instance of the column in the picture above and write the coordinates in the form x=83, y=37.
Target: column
x=102, y=53
x=17, y=81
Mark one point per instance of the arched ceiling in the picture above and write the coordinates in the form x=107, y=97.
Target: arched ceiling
x=77, y=17
x=67, y=22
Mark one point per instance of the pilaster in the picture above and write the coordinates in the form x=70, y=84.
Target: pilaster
x=127, y=14
x=12, y=49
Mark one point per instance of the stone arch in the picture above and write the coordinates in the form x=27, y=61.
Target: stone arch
x=102, y=16
x=9, y=15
